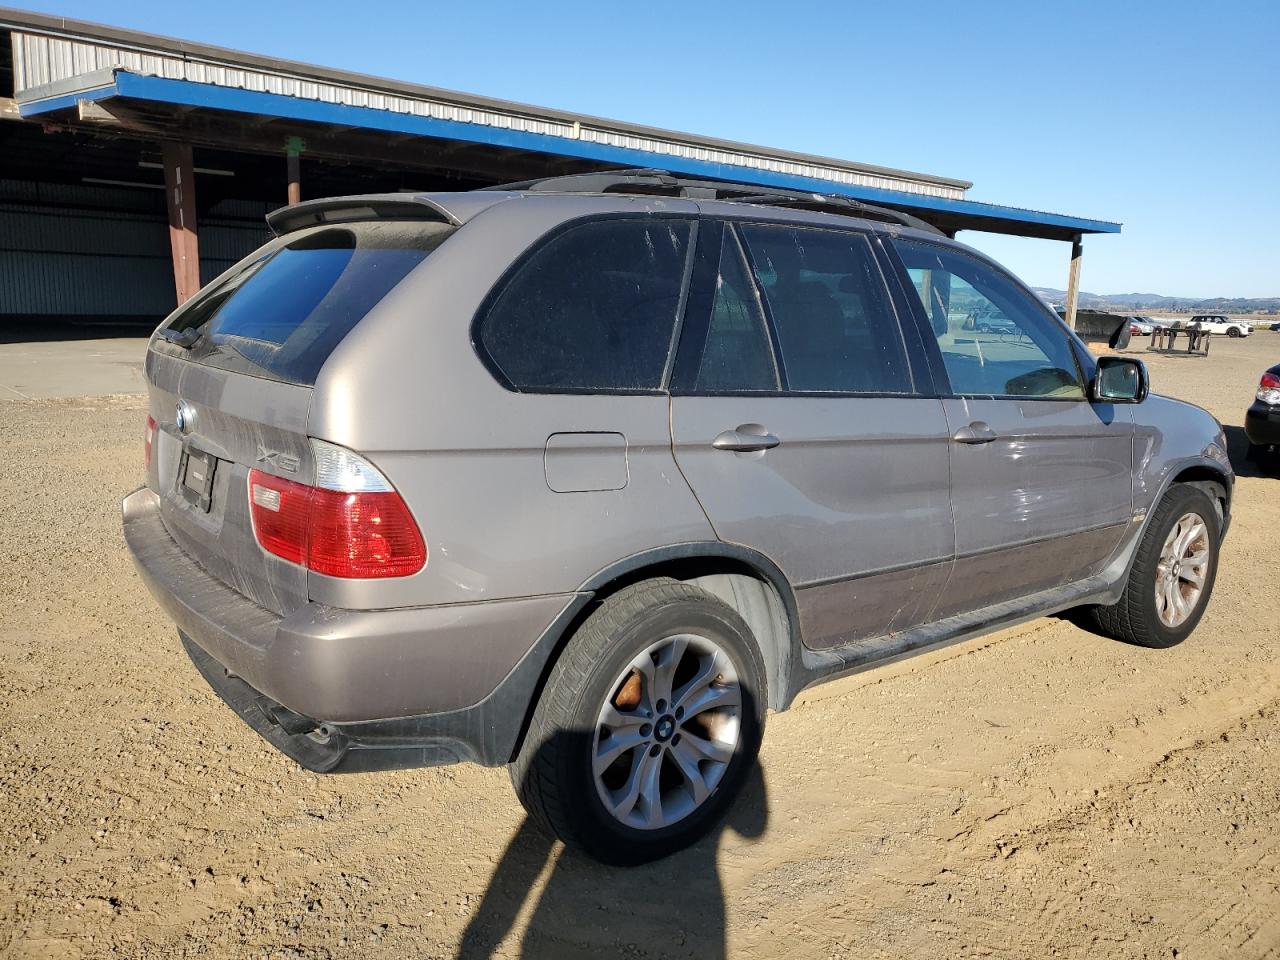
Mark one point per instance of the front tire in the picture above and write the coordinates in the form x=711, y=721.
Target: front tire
x=1172, y=576
x=1234, y=333
x=648, y=725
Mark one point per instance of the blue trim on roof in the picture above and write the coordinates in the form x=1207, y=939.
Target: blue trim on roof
x=187, y=93
x=49, y=104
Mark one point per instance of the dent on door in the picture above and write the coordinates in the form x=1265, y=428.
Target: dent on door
x=1041, y=503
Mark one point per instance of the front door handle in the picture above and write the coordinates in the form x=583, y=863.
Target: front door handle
x=745, y=439
x=976, y=432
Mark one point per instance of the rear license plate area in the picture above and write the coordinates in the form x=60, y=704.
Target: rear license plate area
x=195, y=477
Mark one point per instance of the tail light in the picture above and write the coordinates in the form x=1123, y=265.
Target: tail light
x=148, y=440
x=352, y=523
x=1269, y=389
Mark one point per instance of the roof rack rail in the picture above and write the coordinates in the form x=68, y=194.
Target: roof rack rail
x=838, y=204
x=645, y=180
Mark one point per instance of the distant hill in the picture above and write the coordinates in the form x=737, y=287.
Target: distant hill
x=1148, y=302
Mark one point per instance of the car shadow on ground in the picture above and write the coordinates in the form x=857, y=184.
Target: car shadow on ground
x=1238, y=450
x=671, y=908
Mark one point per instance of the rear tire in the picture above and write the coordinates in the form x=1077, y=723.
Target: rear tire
x=648, y=725
x=1161, y=603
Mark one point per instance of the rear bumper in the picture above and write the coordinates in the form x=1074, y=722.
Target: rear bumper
x=1262, y=424
x=399, y=687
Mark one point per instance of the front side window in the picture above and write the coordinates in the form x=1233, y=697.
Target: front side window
x=593, y=310
x=995, y=341
x=835, y=328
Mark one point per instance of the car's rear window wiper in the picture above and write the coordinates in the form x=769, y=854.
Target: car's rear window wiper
x=186, y=338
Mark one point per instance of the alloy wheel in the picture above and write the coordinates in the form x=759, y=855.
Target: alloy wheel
x=1182, y=570
x=668, y=732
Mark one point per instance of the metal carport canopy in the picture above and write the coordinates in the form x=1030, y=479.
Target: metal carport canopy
x=118, y=84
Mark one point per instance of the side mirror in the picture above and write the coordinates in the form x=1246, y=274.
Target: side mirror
x=1120, y=380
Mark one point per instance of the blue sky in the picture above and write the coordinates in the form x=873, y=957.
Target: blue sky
x=1165, y=116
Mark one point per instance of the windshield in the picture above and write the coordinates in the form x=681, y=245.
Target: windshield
x=282, y=314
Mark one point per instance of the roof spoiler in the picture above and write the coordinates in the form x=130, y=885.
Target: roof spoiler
x=352, y=209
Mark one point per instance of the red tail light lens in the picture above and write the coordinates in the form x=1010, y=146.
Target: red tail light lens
x=363, y=535
x=357, y=534
x=1269, y=389
x=149, y=439
x=280, y=510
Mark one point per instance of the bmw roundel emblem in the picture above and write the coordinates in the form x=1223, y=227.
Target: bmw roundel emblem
x=185, y=417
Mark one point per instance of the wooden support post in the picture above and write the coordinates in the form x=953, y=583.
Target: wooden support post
x=295, y=180
x=293, y=156
x=180, y=189
x=1073, y=279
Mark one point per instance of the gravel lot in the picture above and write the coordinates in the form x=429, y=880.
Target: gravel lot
x=1043, y=792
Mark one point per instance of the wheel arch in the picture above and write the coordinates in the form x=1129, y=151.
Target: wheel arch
x=1210, y=478
x=743, y=578
x=1200, y=472
x=746, y=580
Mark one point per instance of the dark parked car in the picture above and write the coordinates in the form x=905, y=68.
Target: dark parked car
x=1262, y=421
x=584, y=477
x=995, y=325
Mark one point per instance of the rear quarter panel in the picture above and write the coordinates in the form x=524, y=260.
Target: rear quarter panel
x=407, y=390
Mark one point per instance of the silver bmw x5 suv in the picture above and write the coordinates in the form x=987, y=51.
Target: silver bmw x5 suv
x=585, y=477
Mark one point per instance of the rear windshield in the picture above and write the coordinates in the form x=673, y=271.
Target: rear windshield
x=282, y=315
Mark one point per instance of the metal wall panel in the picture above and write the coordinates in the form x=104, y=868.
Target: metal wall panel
x=69, y=249
x=65, y=285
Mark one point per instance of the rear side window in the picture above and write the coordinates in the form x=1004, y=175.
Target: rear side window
x=737, y=355
x=591, y=311
x=835, y=328
x=282, y=315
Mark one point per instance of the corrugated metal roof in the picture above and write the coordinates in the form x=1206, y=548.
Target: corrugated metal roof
x=58, y=62
x=51, y=50
x=947, y=213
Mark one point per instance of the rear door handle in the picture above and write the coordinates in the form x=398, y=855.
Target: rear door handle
x=745, y=439
x=976, y=432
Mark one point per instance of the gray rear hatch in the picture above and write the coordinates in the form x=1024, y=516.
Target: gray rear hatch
x=241, y=360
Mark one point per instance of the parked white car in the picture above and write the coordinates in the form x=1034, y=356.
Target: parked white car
x=1219, y=325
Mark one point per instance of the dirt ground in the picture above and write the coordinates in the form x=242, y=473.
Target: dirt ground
x=1042, y=792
